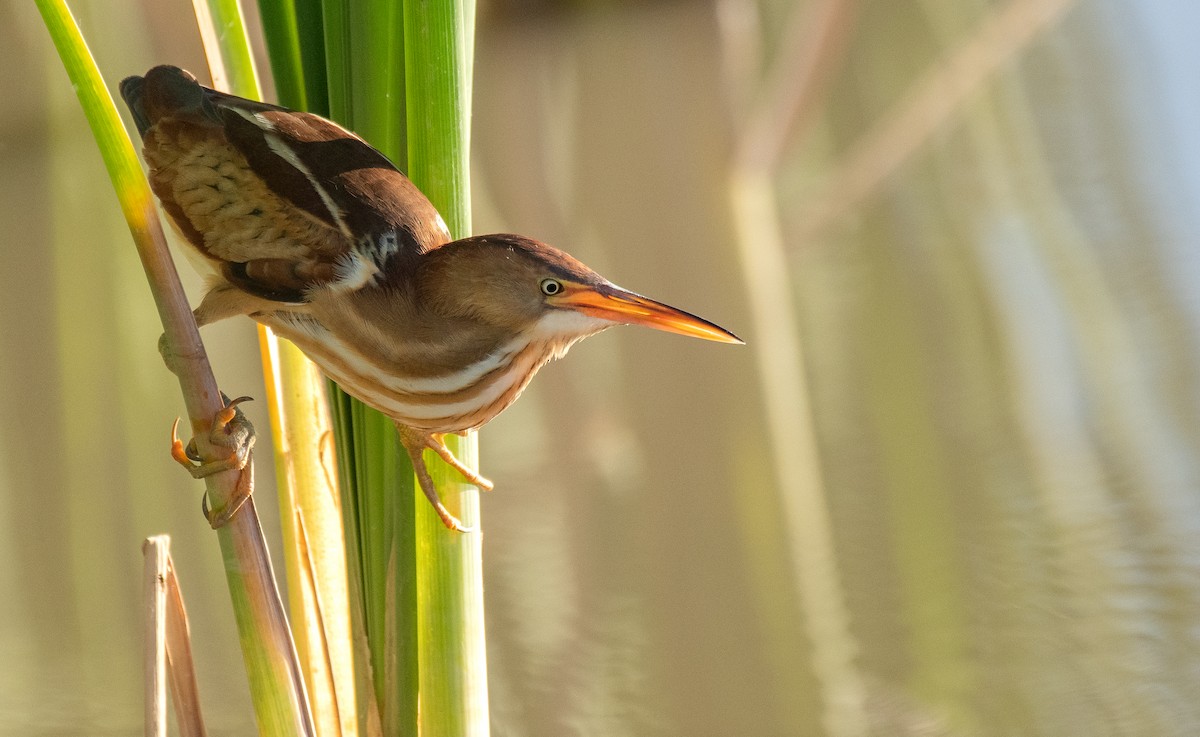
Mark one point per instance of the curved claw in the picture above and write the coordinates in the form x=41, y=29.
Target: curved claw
x=178, y=452
x=225, y=416
x=449, y=520
x=230, y=429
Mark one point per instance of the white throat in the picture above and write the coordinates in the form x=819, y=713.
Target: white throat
x=563, y=328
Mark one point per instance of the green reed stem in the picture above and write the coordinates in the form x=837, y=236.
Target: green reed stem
x=277, y=688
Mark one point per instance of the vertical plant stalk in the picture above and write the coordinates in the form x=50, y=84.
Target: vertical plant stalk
x=295, y=34
x=277, y=688
x=813, y=45
x=452, y=657
x=226, y=46
x=930, y=102
x=181, y=668
x=168, y=645
x=364, y=60
x=306, y=474
x=420, y=587
x=315, y=550
x=376, y=485
x=154, y=588
x=281, y=30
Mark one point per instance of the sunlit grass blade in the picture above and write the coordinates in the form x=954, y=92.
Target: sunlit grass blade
x=438, y=41
x=277, y=689
x=281, y=30
x=364, y=63
x=294, y=33
x=223, y=33
x=428, y=660
x=306, y=474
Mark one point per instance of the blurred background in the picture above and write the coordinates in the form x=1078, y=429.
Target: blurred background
x=950, y=487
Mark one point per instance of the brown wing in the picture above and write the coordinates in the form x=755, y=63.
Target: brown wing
x=283, y=202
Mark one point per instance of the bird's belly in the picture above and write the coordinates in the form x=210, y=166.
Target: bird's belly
x=454, y=402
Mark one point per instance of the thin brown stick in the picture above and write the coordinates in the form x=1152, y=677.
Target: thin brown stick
x=281, y=703
x=154, y=587
x=242, y=539
x=931, y=102
x=307, y=489
x=185, y=695
x=252, y=580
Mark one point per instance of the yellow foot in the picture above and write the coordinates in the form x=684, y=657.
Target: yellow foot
x=435, y=441
x=415, y=442
x=230, y=429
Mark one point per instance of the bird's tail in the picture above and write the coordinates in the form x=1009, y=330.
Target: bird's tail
x=163, y=88
x=131, y=92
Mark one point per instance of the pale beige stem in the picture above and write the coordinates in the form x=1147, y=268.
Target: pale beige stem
x=154, y=587
x=812, y=49
x=314, y=539
x=813, y=46
x=794, y=454
x=185, y=694
x=927, y=106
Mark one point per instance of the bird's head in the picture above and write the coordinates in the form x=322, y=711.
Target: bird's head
x=520, y=284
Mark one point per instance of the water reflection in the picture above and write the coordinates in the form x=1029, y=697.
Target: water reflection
x=999, y=346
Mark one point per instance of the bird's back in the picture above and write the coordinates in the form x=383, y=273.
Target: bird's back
x=286, y=203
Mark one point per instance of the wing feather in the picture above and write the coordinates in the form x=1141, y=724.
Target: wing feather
x=284, y=202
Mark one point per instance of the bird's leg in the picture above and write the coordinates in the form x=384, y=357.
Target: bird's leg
x=230, y=429
x=415, y=442
x=221, y=302
x=437, y=444
x=418, y=461
x=224, y=301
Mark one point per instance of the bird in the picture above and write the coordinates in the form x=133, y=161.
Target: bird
x=304, y=227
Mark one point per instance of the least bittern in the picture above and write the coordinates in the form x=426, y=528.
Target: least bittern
x=312, y=232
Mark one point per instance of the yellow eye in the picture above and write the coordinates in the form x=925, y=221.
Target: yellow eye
x=551, y=287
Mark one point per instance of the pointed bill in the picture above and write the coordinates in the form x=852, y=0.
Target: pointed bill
x=618, y=305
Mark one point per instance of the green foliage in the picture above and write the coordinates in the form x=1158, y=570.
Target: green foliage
x=419, y=586
x=277, y=692
x=453, y=678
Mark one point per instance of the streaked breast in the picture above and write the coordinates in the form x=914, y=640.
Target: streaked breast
x=451, y=402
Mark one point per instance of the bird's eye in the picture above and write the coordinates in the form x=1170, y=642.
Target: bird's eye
x=551, y=287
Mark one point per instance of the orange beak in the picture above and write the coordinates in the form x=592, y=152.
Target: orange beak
x=618, y=305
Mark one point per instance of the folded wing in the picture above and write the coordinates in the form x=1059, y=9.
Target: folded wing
x=282, y=202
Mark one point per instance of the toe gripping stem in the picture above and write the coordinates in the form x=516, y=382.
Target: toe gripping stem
x=230, y=429
x=416, y=442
